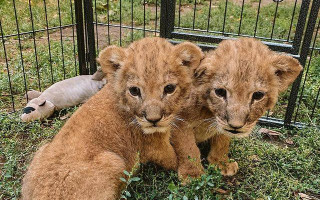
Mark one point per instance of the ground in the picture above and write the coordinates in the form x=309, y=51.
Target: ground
x=283, y=165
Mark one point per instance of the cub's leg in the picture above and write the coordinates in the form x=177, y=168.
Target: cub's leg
x=96, y=178
x=219, y=155
x=157, y=149
x=188, y=153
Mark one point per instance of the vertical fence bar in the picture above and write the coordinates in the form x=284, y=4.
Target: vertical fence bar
x=300, y=25
x=80, y=37
x=20, y=48
x=90, y=35
x=48, y=38
x=35, y=45
x=306, y=69
x=7, y=66
x=315, y=103
x=167, y=18
x=303, y=58
x=61, y=41
x=73, y=41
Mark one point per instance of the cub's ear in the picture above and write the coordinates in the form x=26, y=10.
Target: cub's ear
x=111, y=59
x=188, y=54
x=287, y=70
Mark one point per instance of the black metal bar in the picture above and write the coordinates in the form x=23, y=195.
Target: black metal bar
x=80, y=37
x=209, y=16
x=48, y=38
x=90, y=36
x=303, y=57
x=315, y=103
x=61, y=41
x=37, y=31
x=20, y=48
x=129, y=27
x=167, y=18
x=156, y=21
x=179, y=17
x=73, y=40
x=131, y=20
x=300, y=25
x=225, y=17
x=257, y=19
x=96, y=16
x=231, y=34
x=241, y=16
x=274, y=19
x=217, y=39
x=108, y=14
x=7, y=66
x=194, y=13
x=292, y=18
x=306, y=69
x=278, y=123
x=120, y=23
x=35, y=46
x=144, y=18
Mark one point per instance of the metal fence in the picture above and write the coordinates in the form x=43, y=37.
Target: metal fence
x=289, y=26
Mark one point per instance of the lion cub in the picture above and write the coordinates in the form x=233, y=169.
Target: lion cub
x=234, y=86
x=148, y=84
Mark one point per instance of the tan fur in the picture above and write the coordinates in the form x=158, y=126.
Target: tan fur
x=87, y=157
x=241, y=67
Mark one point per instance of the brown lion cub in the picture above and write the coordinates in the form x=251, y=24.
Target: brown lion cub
x=148, y=84
x=234, y=86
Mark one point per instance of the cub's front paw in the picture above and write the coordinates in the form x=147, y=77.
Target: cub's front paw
x=189, y=170
x=229, y=169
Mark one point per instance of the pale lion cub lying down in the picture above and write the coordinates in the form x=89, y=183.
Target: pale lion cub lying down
x=235, y=85
x=148, y=84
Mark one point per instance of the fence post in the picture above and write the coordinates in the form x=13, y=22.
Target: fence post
x=80, y=37
x=90, y=37
x=167, y=18
x=303, y=58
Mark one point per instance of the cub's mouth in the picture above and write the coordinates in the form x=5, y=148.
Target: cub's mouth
x=224, y=128
x=233, y=131
x=150, y=127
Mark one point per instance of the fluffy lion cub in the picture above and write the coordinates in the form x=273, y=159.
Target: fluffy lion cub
x=235, y=85
x=148, y=84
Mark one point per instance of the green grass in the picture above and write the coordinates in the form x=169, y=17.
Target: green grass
x=269, y=169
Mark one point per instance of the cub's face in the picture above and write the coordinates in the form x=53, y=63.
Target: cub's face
x=152, y=80
x=240, y=80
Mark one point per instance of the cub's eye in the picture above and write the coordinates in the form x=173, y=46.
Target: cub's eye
x=220, y=92
x=134, y=91
x=257, y=95
x=169, y=89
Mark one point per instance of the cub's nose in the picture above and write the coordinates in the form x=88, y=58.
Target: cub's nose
x=235, y=126
x=154, y=121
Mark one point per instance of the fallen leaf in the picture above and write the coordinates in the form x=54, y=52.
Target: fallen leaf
x=220, y=191
x=270, y=133
x=254, y=158
x=289, y=141
x=307, y=197
x=65, y=116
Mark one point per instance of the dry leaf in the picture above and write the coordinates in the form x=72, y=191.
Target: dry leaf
x=307, y=197
x=220, y=191
x=289, y=141
x=254, y=158
x=270, y=133
x=65, y=116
